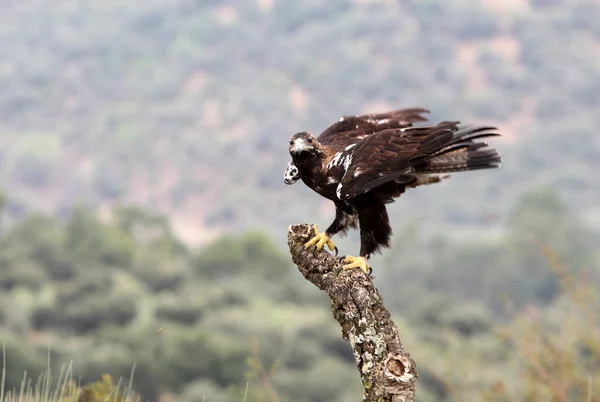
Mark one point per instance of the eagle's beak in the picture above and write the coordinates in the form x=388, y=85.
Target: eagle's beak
x=299, y=146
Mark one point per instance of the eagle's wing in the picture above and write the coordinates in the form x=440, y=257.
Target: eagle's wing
x=351, y=129
x=398, y=154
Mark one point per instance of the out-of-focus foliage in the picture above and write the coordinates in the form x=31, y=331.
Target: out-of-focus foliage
x=112, y=293
x=560, y=346
x=103, y=390
x=496, y=271
x=185, y=106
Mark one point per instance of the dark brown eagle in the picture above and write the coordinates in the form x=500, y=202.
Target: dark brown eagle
x=364, y=162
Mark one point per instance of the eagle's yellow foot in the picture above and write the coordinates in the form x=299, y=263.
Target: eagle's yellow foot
x=357, y=262
x=320, y=239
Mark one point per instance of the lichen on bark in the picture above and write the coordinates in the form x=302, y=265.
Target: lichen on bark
x=387, y=371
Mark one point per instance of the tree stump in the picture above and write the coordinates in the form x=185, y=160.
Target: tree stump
x=387, y=371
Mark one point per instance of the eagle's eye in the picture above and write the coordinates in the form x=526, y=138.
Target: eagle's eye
x=291, y=142
x=310, y=140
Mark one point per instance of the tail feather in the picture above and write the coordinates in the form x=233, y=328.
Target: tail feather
x=462, y=154
x=465, y=135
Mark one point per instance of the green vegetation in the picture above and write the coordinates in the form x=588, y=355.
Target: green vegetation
x=205, y=322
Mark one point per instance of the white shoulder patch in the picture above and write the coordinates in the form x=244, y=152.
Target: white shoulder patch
x=335, y=160
x=344, y=158
x=347, y=160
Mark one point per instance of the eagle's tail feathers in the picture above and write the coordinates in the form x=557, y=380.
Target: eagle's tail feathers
x=467, y=132
x=462, y=157
x=460, y=153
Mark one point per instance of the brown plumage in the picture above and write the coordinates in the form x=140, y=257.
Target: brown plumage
x=350, y=129
x=363, y=162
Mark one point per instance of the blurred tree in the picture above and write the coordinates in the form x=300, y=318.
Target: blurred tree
x=89, y=239
x=19, y=358
x=39, y=238
x=193, y=355
x=251, y=254
x=539, y=220
x=558, y=348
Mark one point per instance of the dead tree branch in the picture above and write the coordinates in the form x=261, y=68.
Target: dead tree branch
x=387, y=371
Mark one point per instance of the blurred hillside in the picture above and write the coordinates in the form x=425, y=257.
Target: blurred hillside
x=184, y=107
x=200, y=324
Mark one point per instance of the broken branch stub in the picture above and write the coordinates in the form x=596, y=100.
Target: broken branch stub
x=387, y=371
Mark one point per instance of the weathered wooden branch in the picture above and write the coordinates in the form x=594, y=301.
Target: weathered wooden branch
x=387, y=371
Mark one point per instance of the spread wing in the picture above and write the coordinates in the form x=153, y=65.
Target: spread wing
x=351, y=129
x=398, y=154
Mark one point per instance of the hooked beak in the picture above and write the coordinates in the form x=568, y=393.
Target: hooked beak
x=298, y=146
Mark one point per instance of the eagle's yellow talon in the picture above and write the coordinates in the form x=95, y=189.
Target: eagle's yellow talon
x=320, y=239
x=357, y=262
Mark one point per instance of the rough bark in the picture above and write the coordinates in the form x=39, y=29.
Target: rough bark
x=387, y=371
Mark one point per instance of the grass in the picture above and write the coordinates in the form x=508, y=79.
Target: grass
x=65, y=388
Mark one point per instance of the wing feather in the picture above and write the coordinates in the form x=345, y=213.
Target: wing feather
x=352, y=129
x=392, y=154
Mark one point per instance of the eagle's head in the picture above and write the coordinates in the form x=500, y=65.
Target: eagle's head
x=303, y=142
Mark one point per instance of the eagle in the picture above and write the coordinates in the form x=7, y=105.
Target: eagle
x=363, y=162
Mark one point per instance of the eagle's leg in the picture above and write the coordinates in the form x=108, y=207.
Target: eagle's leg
x=321, y=239
x=375, y=232
x=344, y=217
